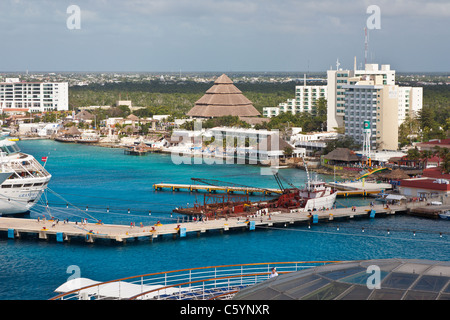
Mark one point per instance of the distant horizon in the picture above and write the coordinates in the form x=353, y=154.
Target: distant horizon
x=211, y=72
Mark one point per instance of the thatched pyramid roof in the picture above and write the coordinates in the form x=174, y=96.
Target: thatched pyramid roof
x=223, y=99
x=342, y=154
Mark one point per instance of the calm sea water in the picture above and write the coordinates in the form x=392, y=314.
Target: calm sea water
x=102, y=179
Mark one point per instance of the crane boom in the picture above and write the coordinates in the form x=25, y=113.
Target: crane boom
x=218, y=183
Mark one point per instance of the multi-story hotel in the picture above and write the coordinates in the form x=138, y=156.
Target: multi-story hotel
x=305, y=101
x=370, y=94
x=16, y=96
x=370, y=100
x=337, y=79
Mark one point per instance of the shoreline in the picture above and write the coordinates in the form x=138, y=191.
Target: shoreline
x=295, y=163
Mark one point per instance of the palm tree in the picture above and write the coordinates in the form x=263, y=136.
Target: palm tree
x=426, y=154
x=445, y=164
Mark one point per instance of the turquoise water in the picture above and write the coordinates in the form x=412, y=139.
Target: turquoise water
x=100, y=178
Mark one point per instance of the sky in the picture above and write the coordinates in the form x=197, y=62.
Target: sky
x=222, y=35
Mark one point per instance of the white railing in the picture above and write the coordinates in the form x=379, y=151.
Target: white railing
x=204, y=283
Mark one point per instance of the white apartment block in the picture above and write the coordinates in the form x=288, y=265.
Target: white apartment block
x=305, y=101
x=410, y=101
x=33, y=96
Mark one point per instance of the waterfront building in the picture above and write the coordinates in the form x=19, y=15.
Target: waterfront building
x=305, y=101
x=314, y=142
x=39, y=129
x=33, y=96
x=245, y=145
x=223, y=99
x=409, y=99
x=369, y=99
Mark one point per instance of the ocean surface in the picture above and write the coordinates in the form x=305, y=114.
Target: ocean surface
x=105, y=184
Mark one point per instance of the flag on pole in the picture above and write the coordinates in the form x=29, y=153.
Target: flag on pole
x=44, y=159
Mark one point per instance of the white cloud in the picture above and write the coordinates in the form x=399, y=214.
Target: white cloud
x=221, y=29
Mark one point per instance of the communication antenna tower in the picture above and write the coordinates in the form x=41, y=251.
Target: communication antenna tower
x=366, y=45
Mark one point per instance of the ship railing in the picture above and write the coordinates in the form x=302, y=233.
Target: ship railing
x=31, y=169
x=203, y=283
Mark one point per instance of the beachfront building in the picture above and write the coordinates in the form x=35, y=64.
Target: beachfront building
x=234, y=144
x=17, y=96
x=305, y=101
x=255, y=145
x=223, y=99
x=369, y=99
x=409, y=99
x=313, y=143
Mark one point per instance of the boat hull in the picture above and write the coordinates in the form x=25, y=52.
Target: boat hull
x=445, y=216
x=20, y=200
x=325, y=202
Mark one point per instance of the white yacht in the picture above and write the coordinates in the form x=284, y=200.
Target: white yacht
x=22, y=179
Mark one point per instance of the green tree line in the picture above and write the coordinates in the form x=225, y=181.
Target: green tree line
x=173, y=98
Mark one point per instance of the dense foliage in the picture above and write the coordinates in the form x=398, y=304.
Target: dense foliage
x=433, y=121
x=176, y=98
x=173, y=98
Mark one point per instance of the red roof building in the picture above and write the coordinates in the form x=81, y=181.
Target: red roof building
x=435, y=173
x=424, y=187
x=429, y=145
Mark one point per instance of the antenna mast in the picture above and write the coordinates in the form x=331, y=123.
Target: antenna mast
x=366, y=45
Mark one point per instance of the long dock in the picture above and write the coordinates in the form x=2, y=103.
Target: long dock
x=209, y=188
x=248, y=190
x=90, y=232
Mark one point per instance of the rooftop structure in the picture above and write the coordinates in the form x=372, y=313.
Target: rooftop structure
x=356, y=280
x=223, y=99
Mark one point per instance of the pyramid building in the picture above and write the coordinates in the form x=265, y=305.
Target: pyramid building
x=223, y=99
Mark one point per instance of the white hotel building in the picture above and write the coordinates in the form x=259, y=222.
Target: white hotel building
x=409, y=98
x=16, y=96
x=305, y=101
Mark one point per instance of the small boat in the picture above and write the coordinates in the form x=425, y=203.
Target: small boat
x=445, y=215
x=64, y=138
x=138, y=150
x=87, y=140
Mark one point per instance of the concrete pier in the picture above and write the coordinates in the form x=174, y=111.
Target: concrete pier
x=63, y=232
